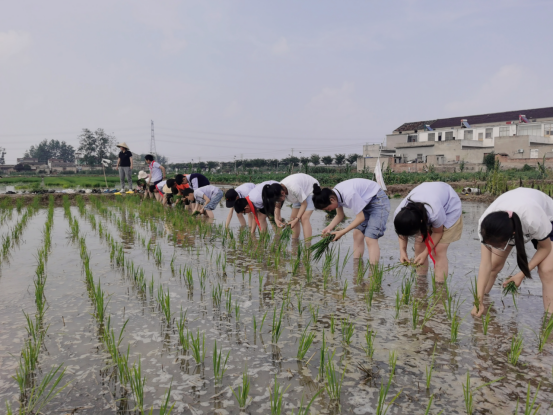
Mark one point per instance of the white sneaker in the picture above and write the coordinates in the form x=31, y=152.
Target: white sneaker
x=122, y=190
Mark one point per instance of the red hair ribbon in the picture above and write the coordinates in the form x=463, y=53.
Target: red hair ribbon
x=429, y=250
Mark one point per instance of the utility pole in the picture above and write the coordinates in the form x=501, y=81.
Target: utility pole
x=152, y=140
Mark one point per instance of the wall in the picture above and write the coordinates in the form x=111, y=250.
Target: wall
x=396, y=139
x=510, y=146
x=510, y=163
x=368, y=163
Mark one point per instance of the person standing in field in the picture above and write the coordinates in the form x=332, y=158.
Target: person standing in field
x=368, y=202
x=432, y=215
x=253, y=203
x=157, y=174
x=296, y=189
x=231, y=196
x=125, y=165
x=514, y=218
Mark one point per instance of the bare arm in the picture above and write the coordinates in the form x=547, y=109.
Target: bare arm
x=543, y=250
x=436, y=237
x=229, y=217
x=360, y=217
x=163, y=172
x=131, y=162
x=277, y=215
x=336, y=220
x=303, y=208
x=485, y=268
x=403, y=245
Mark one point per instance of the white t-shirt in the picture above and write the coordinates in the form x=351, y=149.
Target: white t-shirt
x=299, y=186
x=161, y=185
x=442, y=203
x=255, y=194
x=244, y=189
x=209, y=190
x=355, y=194
x=533, y=207
x=155, y=171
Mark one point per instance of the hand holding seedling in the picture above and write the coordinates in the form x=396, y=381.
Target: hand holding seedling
x=293, y=222
x=338, y=235
x=516, y=279
x=404, y=257
x=420, y=259
x=326, y=230
x=279, y=223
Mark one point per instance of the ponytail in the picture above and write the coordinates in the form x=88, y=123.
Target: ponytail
x=271, y=193
x=322, y=197
x=499, y=227
x=411, y=219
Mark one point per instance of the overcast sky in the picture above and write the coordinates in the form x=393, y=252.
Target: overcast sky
x=257, y=78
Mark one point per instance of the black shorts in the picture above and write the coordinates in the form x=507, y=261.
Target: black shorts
x=262, y=211
x=536, y=243
x=153, y=186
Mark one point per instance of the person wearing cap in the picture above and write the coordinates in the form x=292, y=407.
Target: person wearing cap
x=231, y=197
x=125, y=164
x=141, y=181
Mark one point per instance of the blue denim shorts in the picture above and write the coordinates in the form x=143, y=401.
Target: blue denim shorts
x=215, y=200
x=376, y=215
x=310, y=204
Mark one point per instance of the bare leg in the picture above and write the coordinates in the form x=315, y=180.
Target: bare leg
x=373, y=249
x=263, y=221
x=359, y=247
x=419, y=248
x=210, y=214
x=296, y=229
x=306, y=224
x=545, y=274
x=441, y=262
x=498, y=259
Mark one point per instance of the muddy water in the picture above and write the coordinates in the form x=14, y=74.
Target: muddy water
x=73, y=332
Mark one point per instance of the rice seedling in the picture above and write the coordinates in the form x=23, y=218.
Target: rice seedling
x=512, y=289
x=415, y=313
x=285, y=236
x=304, y=343
x=306, y=410
x=39, y=395
x=428, y=409
x=228, y=302
x=516, y=347
x=486, y=320
x=237, y=311
x=299, y=298
x=277, y=326
x=165, y=303
x=347, y=331
x=182, y=331
x=322, y=354
x=100, y=303
x=314, y=312
x=369, y=347
x=309, y=270
x=431, y=304
x=344, y=288
x=397, y=304
x=546, y=331
x=320, y=247
x=454, y=327
x=382, y=406
x=220, y=363
x=241, y=394
x=263, y=321
x=476, y=300
x=333, y=384
x=468, y=393
x=345, y=260
x=276, y=397
x=368, y=298
x=217, y=292
x=332, y=324
x=137, y=383
x=530, y=404
x=197, y=346
x=393, y=357
x=407, y=290
x=429, y=370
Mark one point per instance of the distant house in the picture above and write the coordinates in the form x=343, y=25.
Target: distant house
x=60, y=165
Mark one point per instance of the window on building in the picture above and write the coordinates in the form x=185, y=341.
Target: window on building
x=504, y=131
x=534, y=153
x=529, y=129
x=468, y=134
x=548, y=130
x=488, y=133
x=420, y=158
x=412, y=138
x=449, y=135
x=480, y=137
x=431, y=137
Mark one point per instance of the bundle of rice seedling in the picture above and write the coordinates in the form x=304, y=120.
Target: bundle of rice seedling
x=286, y=235
x=196, y=212
x=320, y=247
x=511, y=288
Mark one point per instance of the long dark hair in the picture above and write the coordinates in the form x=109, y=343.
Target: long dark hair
x=411, y=219
x=270, y=195
x=322, y=197
x=240, y=205
x=179, y=179
x=498, y=228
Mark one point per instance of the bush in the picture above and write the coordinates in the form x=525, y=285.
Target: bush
x=527, y=167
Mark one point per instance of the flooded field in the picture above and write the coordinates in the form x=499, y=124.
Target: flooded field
x=134, y=302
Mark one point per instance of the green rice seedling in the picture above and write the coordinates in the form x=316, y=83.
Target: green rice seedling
x=100, y=302
x=322, y=357
x=344, y=288
x=296, y=266
x=182, y=331
x=431, y=304
x=362, y=270
x=158, y=258
x=530, y=404
x=276, y=397
x=344, y=263
x=486, y=320
x=546, y=331
x=277, y=326
x=299, y=298
x=260, y=280
x=220, y=363
x=476, y=300
x=428, y=409
x=309, y=270
x=429, y=370
x=165, y=409
x=516, y=347
x=407, y=290
x=397, y=304
x=314, y=312
x=285, y=236
x=241, y=394
x=333, y=384
x=393, y=357
x=254, y=324
x=198, y=349
x=347, y=331
x=263, y=321
x=42, y=393
x=137, y=383
x=217, y=291
x=202, y=279
x=228, y=302
x=382, y=406
x=165, y=303
x=369, y=347
x=332, y=324
x=468, y=396
x=304, y=343
x=454, y=327
x=172, y=264
x=325, y=279
x=415, y=313
x=377, y=275
x=320, y=247
x=237, y=311
x=306, y=410
x=512, y=289
x=151, y=286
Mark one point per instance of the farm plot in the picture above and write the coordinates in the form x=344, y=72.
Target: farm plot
x=127, y=307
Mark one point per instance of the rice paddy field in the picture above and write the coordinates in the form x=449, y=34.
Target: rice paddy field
x=118, y=306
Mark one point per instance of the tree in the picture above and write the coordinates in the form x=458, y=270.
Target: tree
x=315, y=159
x=52, y=149
x=327, y=160
x=201, y=165
x=212, y=165
x=304, y=160
x=339, y=159
x=489, y=161
x=22, y=167
x=96, y=146
x=352, y=158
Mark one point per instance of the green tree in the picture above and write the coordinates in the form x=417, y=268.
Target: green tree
x=327, y=160
x=96, y=146
x=489, y=161
x=212, y=165
x=304, y=160
x=352, y=158
x=22, y=167
x=52, y=149
x=315, y=159
x=339, y=159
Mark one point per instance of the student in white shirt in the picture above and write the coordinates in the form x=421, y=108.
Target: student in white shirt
x=207, y=197
x=157, y=174
x=254, y=198
x=231, y=196
x=296, y=189
x=432, y=213
x=514, y=218
x=368, y=202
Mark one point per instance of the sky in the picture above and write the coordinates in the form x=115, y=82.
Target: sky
x=237, y=78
